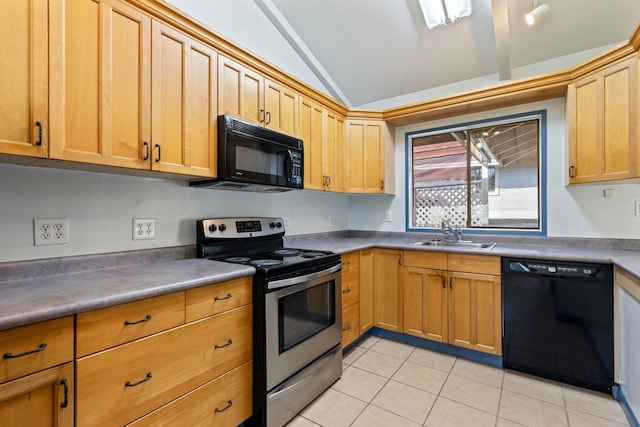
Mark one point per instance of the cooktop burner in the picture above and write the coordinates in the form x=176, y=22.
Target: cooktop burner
x=286, y=252
x=266, y=262
x=237, y=259
x=312, y=254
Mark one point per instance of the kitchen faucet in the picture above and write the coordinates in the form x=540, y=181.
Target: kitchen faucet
x=446, y=229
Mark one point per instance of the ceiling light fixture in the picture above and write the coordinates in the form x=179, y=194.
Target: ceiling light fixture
x=443, y=12
x=536, y=13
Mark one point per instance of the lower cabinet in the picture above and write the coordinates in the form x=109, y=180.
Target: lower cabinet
x=357, y=294
x=463, y=308
x=350, y=297
x=366, y=290
x=44, y=398
x=148, y=364
x=387, y=289
x=36, y=375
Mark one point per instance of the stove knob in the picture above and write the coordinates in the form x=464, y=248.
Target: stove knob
x=212, y=228
x=278, y=224
x=222, y=227
x=272, y=225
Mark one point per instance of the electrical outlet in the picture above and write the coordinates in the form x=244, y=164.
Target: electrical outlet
x=637, y=207
x=50, y=231
x=388, y=216
x=144, y=229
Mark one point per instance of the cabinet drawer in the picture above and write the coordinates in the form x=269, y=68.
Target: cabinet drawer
x=160, y=368
x=101, y=329
x=225, y=401
x=482, y=264
x=32, y=348
x=350, y=324
x=214, y=299
x=350, y=288
x=350, y=261
x=423, y=259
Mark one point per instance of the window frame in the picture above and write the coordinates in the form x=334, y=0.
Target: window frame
x=540, y=115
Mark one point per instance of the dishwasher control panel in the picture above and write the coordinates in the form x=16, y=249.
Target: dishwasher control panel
x=555, y=268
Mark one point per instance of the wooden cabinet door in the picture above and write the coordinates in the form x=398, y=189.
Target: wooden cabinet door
x=425, y=303
x=281, y=108
x=240, y=91
x=475, y=313
x=366, y=290
x=387, y=290
x=364, y=153
x=41, y=399
x=332, y=152
x=24, y=127
x=603, y=124
x=184, y=110
x=99, y=83
x=311, y=133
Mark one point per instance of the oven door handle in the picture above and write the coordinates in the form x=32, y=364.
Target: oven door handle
x=301, y=279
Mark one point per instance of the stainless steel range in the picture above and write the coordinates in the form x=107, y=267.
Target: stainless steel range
x=297, y=313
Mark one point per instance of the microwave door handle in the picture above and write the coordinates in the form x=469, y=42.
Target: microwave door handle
x=288, y=166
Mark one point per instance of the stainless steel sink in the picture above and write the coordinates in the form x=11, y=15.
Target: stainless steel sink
x=457, y=244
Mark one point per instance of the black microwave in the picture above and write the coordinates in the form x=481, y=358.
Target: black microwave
x=253, y=158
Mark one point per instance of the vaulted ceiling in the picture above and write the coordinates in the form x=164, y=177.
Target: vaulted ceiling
x=370, y=50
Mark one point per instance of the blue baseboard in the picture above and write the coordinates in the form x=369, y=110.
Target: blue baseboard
x=476, y=356
x=618, y=394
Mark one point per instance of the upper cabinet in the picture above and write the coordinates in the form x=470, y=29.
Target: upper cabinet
x=247, y=94
x=184, y=109
x=322, y=132
x=124, y=93
x=24, y=127
x=100, y=82
x=603, y=121
x=364, y=152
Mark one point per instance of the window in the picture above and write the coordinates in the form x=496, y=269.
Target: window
x=483, y=175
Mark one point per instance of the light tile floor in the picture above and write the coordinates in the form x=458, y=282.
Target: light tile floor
x=389, y=384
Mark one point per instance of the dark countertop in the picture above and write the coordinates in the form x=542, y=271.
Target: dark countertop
x=36, y=299
x=39, y=290
x=580, y=250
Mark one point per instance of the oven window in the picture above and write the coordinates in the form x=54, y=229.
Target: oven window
x=305, y=313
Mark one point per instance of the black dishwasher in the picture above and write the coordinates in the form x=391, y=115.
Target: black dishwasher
x=558, y=321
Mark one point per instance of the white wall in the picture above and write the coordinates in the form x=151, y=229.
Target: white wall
x=100, y=208
x=243, y=23
x=572, y=211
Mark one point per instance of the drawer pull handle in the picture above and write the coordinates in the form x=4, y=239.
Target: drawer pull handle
x=228, y=343
x=348, y=328
x=346, y=291
x=135, y=322
x=222, y=298
x=227, y=406
x=65, y=384
x=144, y=380
x=24, y=353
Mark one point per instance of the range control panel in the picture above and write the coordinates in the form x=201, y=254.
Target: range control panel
x=230, y=228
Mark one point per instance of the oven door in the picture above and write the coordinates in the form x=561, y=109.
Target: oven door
x=303, y=319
